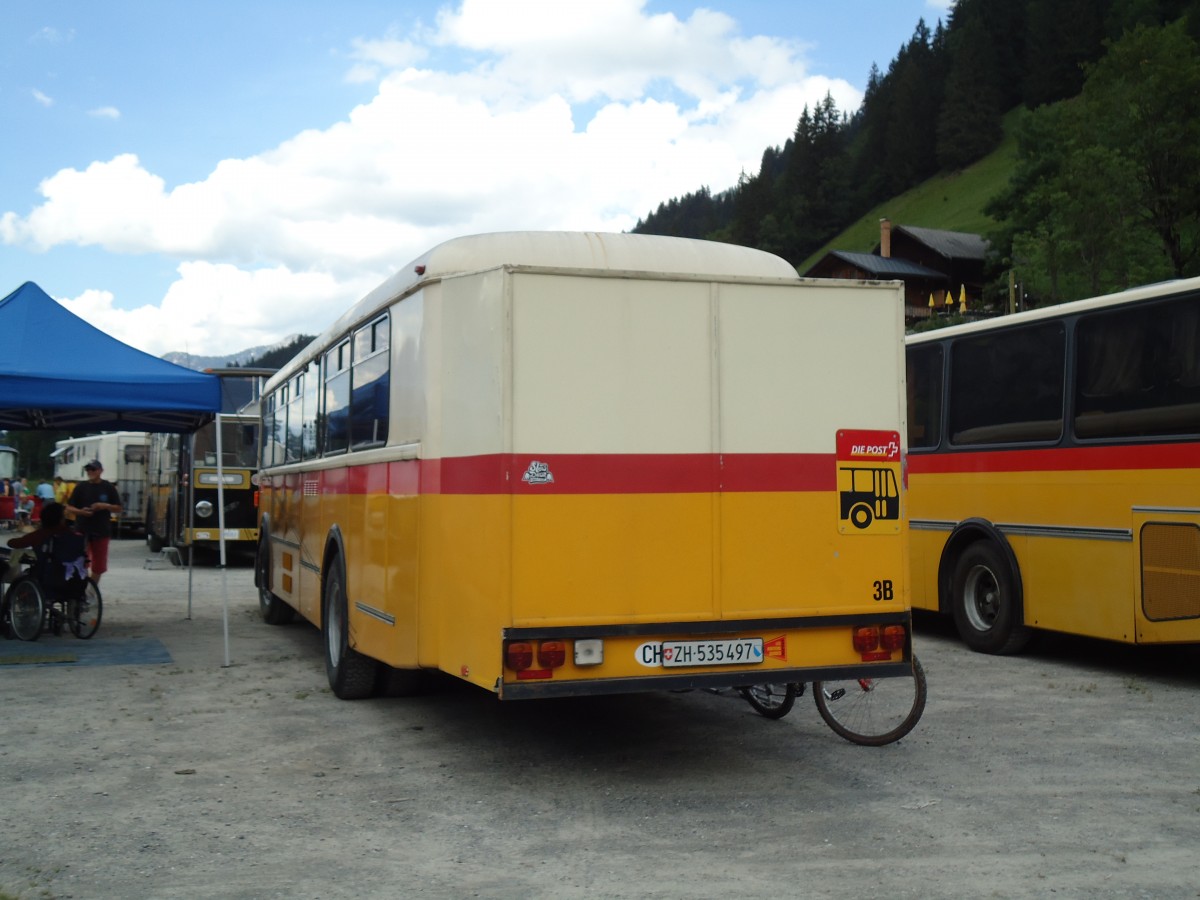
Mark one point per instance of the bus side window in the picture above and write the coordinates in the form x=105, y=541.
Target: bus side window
x=337, y=398
x=1138, y=372
x=984, y=408
x=924, y=380
x=370, y=395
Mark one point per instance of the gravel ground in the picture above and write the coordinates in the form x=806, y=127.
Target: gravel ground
x=1071, y=771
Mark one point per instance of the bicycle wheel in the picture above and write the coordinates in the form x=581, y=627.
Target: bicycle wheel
x=25, y=608
x=771, y=700
x=873, y=711
x=84, y=614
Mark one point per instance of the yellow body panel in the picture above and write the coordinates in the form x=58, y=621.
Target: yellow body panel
x=454, y=572
x=1083, y=584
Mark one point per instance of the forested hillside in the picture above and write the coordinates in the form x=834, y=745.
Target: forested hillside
x=1104, y=189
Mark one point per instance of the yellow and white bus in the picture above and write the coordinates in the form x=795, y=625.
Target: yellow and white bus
x=1054, y=468
x=559, y=463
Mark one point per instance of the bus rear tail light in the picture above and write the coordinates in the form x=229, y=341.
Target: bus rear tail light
x=548, y=655
x=551, y=654
x=893, y=637
x=518, y=656
x=866, y=638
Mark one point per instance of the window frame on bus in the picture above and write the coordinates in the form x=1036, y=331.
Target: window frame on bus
x=335, y=368
x=370, y=356
x=1161, y=322
x=969, y=390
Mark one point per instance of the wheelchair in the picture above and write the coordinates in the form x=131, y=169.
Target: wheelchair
x=37, y=602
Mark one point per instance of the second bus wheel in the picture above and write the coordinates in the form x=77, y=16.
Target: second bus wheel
x=351, y=675
x=984, y=597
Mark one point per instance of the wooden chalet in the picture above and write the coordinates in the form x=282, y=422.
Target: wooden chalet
x=944, y=265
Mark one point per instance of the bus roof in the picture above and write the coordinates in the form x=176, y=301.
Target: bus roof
x=1132, y=295
x=569, y=250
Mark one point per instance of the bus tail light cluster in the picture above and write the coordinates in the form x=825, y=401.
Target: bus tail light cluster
x=539, y=659
x=875, y=642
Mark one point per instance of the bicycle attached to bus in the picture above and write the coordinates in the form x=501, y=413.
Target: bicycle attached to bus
x=867, y=711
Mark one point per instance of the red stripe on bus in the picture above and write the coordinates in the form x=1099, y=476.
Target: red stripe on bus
x=647, y=473
x=651, y=473
x=1061, y=459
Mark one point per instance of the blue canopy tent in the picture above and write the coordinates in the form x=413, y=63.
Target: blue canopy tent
x=57, y=371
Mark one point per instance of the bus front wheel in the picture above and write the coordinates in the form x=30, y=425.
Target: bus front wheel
x=351, y=675
x=984, y=595
x=153, y=541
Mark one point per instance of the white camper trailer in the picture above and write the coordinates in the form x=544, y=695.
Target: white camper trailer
x=123, y=455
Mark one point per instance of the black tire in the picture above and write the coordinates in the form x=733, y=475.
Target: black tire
x=84, y=615
x=273, y=610
x=983, y=592
x=771, y=700
x=26, y=608
x=153, y=542
x=873, y=711
x=351, y=675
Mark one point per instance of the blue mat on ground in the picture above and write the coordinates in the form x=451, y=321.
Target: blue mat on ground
x=70, y=651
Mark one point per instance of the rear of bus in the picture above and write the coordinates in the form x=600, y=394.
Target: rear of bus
x=703, y=488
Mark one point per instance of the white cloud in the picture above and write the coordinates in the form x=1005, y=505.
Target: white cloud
x=570, y=116
x=206, y=311
x=375, y=55
x=50, y=35
x=42, y=98
x=105, y=112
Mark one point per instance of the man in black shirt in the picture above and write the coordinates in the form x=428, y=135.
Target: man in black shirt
x=93, y=503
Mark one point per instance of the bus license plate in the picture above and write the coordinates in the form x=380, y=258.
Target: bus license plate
x=738, y=652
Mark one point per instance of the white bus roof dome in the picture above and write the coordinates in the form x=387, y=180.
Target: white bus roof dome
x=570, y=250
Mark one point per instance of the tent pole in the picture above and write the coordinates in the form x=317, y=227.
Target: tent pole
x=191, y=512
x=221, y=538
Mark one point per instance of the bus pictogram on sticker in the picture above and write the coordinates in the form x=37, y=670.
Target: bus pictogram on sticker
x=868, y=478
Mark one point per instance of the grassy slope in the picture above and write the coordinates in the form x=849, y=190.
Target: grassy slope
x=951, y=202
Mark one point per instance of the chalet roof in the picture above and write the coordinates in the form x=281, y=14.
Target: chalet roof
x=886, y=267
x=950, y=244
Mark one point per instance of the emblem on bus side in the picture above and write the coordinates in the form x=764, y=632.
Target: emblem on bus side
x=869, y=474
x=538, y=473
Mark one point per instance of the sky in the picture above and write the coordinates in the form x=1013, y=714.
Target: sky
x=210, y=177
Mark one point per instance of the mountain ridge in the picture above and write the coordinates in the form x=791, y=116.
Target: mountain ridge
x=224, y=360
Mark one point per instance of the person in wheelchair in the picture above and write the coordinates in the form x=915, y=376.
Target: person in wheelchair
x=61, y=561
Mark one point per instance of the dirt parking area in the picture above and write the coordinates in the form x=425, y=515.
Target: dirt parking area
x=144, y=766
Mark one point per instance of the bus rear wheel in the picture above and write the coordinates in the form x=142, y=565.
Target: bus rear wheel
x=351, y=675
x=984, y=596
